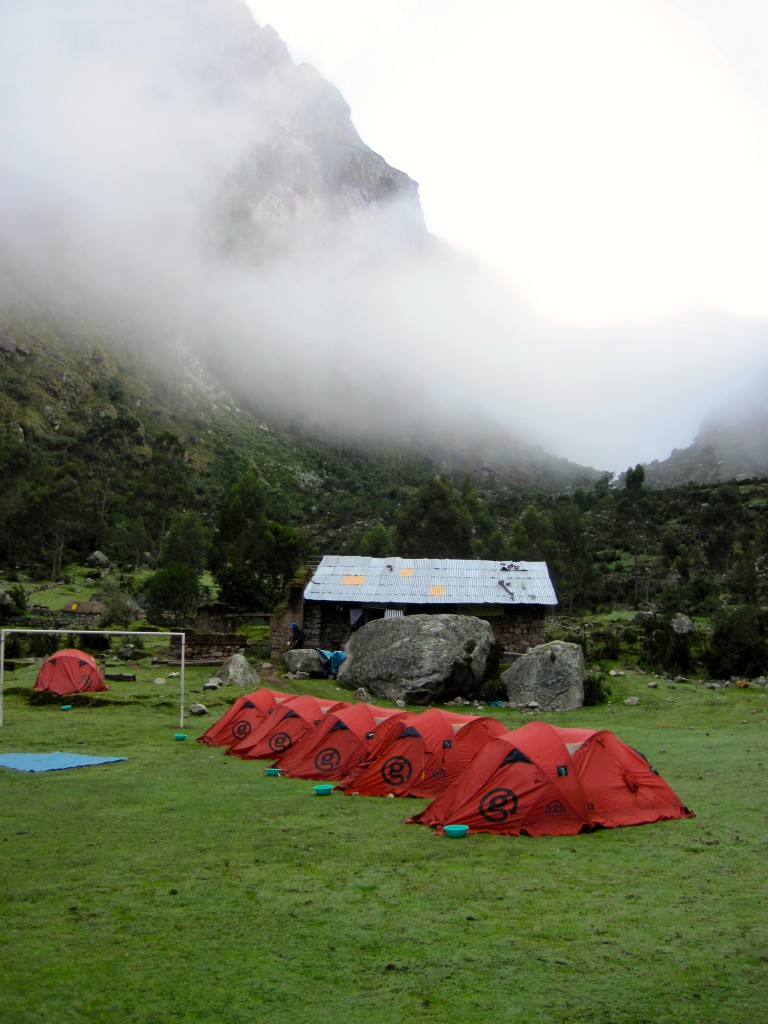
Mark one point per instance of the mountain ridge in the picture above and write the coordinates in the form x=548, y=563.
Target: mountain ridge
x=237, y=228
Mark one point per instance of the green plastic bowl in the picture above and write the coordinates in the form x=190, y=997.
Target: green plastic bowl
x=66, y=707
x=274, y=771
x=456, y=831
x=180, y=736
x=324, y=789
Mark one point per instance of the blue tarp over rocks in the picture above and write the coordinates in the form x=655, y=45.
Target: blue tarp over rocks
x=331, y=660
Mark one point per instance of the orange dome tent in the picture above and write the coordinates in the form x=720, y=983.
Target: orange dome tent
x=344, y=738
x=69, y=671
x=541, y=780
x=245, y=716
x=421, y=754
x=291, y=723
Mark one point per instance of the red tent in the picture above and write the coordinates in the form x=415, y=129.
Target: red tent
x=287, y=726
x=343, y=740
x=542, y=780
x=69, y=671
x=414, y=757
x=453, y=760
x=245, y=715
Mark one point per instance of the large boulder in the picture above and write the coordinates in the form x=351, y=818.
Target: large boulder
x=239, y=671
x=419, y=659
x=551, y=675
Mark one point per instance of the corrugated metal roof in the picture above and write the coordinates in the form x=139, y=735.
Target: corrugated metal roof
x=355, y=579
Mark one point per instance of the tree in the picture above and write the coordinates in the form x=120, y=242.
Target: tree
x=739, y=645
x=186, y=542
x=435, y=524
x=241, y=522
x=378, y=542
x=253, y=557
x=723, y=517
x=167, y=482
x=119, y=608
x=571, y=555
x=109, y=450
x=172, y=595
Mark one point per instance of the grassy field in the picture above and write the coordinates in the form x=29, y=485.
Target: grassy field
x=185, y=885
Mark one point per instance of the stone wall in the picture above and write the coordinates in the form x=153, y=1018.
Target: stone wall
x=291, y=611
x=327, y=625
x=207, y=646
x=520, y=628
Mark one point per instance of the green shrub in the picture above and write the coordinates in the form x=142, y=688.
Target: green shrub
x=596, y=691
x=739, y=644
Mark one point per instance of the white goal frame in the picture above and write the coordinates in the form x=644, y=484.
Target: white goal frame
x=94, y=632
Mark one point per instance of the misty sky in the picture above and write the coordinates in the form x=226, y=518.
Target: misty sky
x=606, y=159
x=600, y=167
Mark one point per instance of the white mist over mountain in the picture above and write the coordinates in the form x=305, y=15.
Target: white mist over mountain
x=167, y=164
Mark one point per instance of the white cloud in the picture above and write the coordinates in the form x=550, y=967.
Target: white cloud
x=601, y=164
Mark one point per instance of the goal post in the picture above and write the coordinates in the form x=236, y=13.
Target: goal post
x=93, y=632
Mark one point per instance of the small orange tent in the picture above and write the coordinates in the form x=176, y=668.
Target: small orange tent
x=69, y=671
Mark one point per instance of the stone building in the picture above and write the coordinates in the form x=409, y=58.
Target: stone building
x=344, y=592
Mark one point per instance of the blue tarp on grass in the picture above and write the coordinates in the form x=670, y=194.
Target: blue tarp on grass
x=51, y=762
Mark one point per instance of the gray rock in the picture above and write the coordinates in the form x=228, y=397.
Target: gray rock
x=551, y=675
x=303, y=659
x=363, y=695
x=681, y=624
x=97, y=560
x=198, y=709
x=420, y=659
x=212, y=684
x=239, y=671
x=632, y=701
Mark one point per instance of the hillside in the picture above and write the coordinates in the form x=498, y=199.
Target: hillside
x=86, y=418
x=732, y=444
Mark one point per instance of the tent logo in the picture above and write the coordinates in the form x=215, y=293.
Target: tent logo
x=555, y=807
x=396, y=770
x=241, y=729
x=497, y=805
x=279, y=742
x=327, y=759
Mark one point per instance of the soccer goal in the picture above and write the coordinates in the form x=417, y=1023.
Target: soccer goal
x=93, y=632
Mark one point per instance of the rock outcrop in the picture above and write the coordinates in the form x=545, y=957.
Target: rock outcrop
x=419, y=659
x=550, y=676
x=239, y=671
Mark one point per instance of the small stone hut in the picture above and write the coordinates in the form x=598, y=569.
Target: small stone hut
x=344, y=592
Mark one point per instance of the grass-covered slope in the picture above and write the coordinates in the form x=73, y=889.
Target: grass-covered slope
x=186, y=885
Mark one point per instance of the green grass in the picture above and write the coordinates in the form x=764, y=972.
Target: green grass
x=184, y=885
